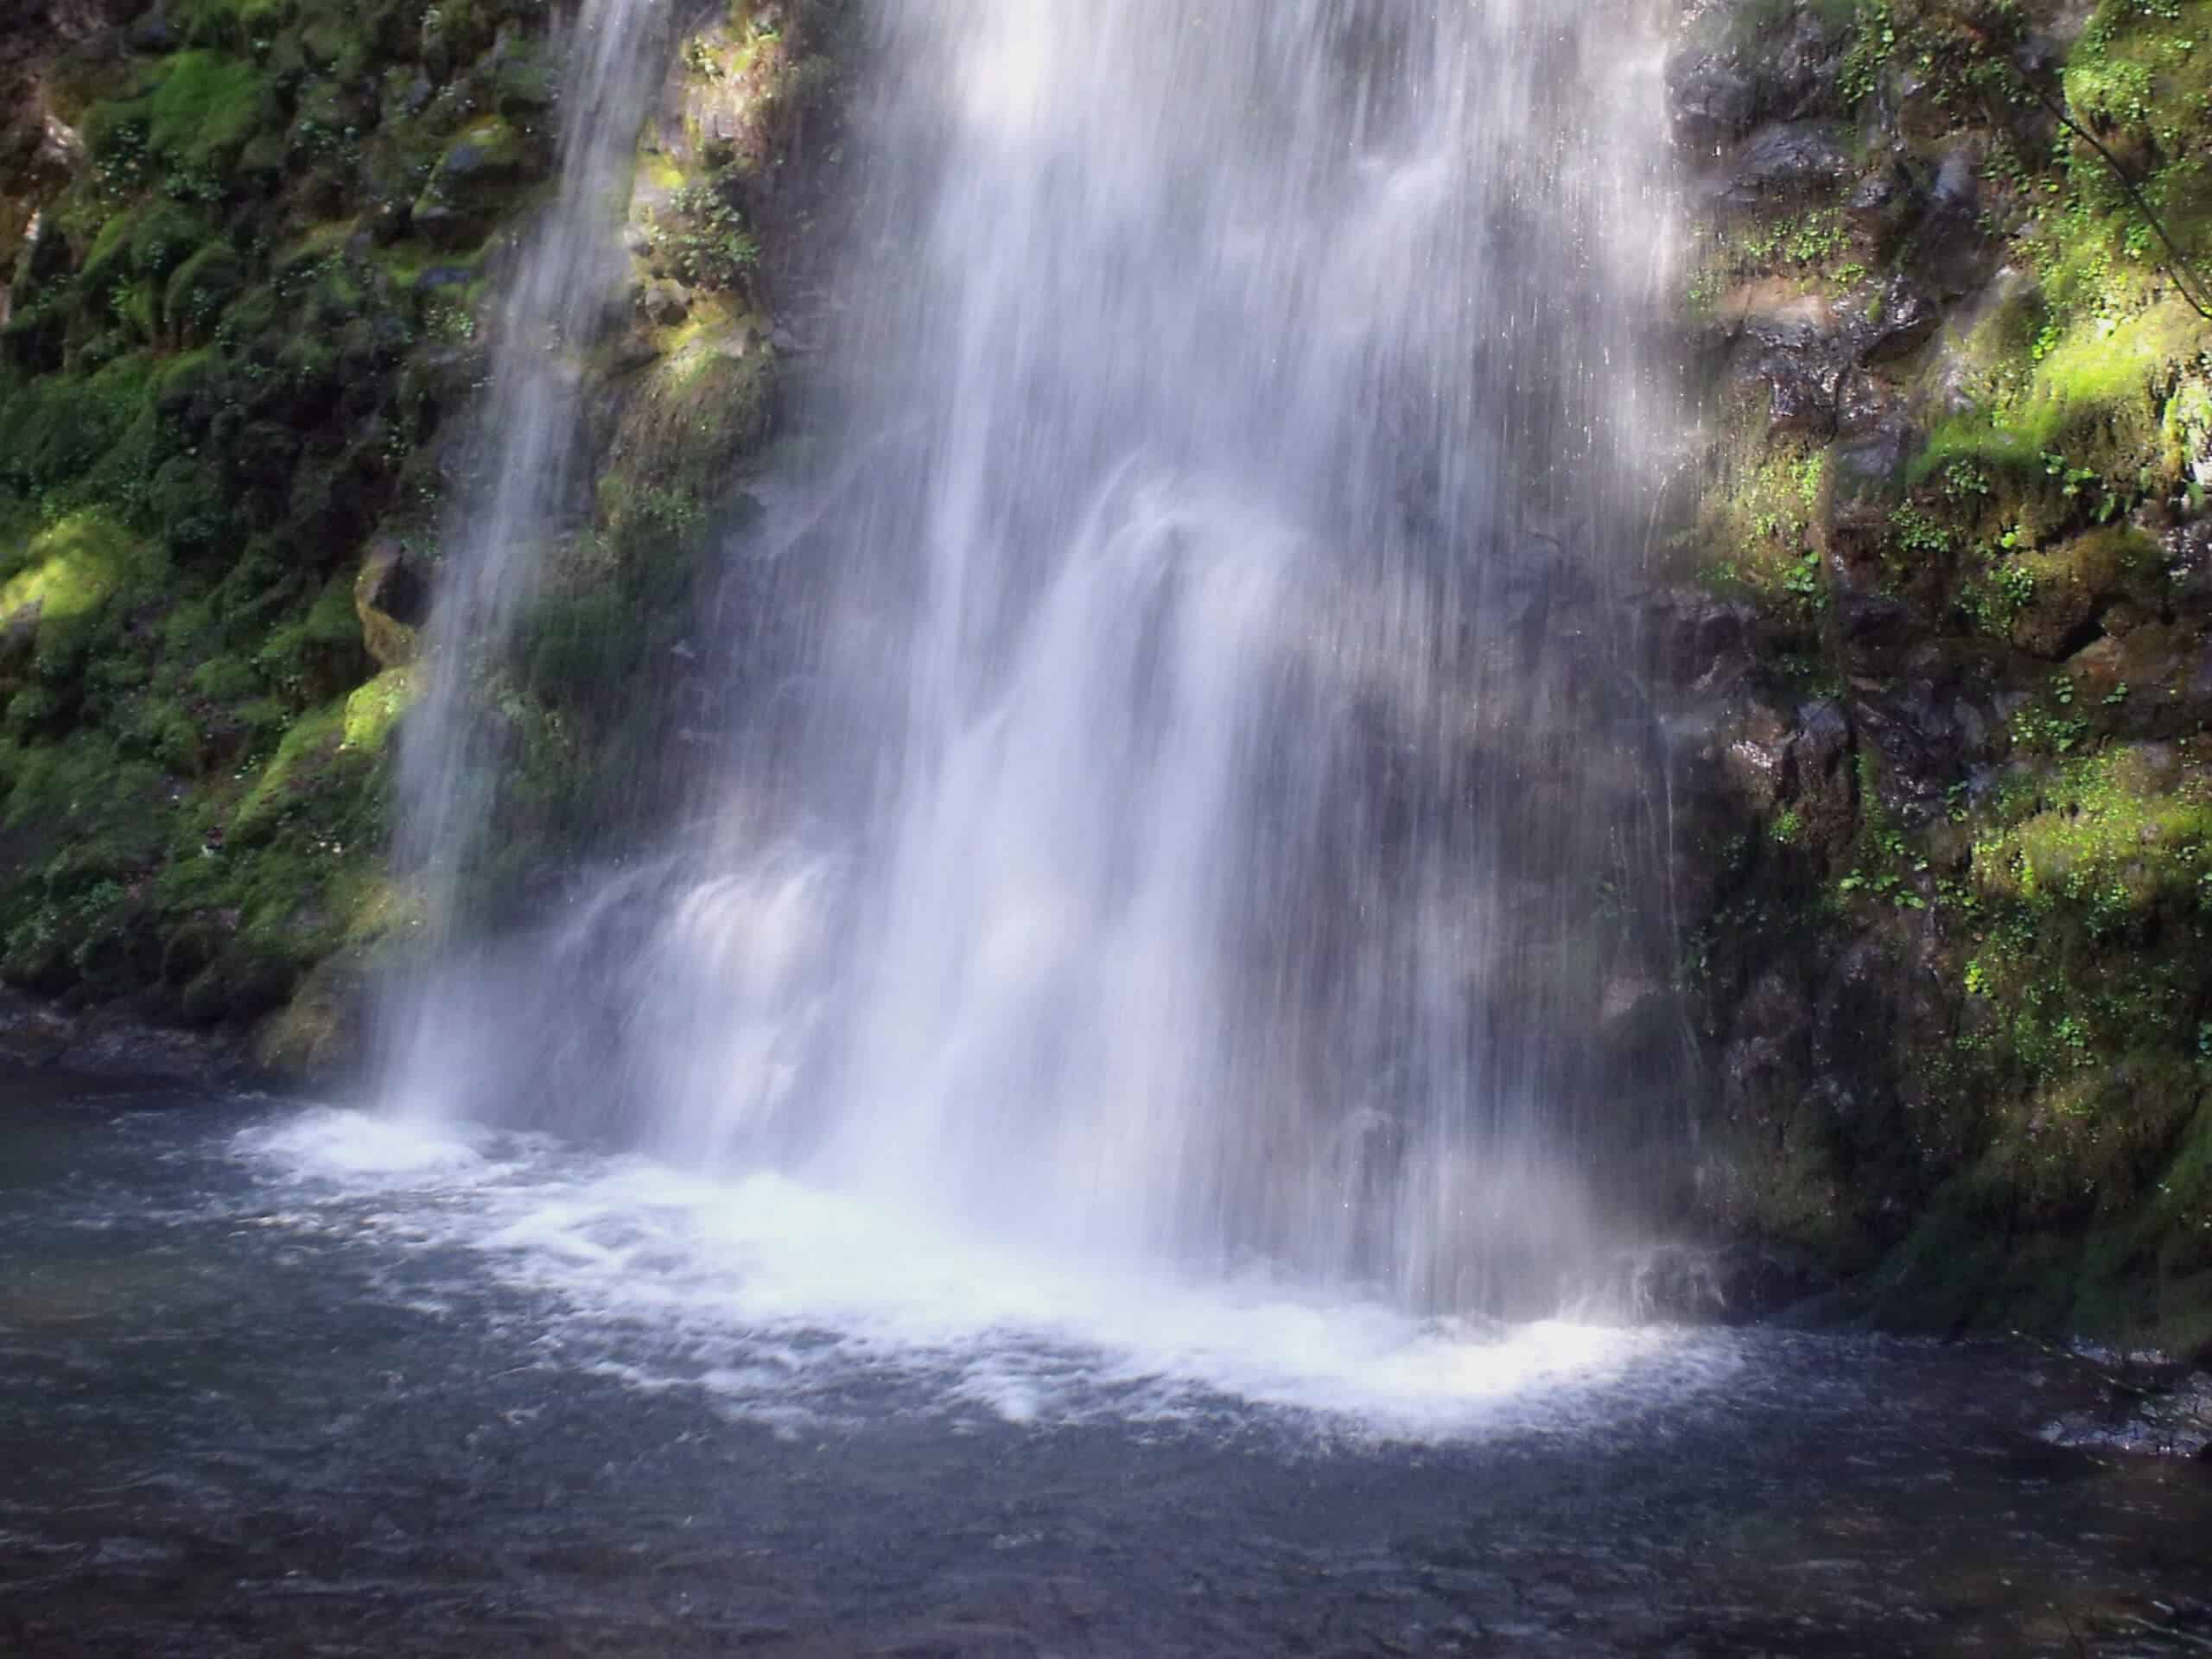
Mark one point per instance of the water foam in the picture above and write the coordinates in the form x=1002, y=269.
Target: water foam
x=798, y=1306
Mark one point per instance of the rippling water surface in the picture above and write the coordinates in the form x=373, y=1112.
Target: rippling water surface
x=285, y=1380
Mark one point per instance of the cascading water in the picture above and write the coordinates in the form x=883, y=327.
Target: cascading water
x=520, y=468
x=1199, y=809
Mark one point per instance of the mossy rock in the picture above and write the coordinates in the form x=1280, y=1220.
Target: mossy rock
x=243, y=983
x=54, y=429
x=2096, y=401
x=2069, y=584
x=66, y=577
x=199, y=113
x=524, y=77
x=108, y=262
x=474, y=183
x=322, y=1030
x=188, y=497
x=200, y=290
x=705, y=402
x=391, y=599
x=162, y=236
x=191, y=949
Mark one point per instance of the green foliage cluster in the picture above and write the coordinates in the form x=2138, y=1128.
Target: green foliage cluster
x=204, y=407
x=705, y=237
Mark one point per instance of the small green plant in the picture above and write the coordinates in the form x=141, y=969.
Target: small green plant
x=1872, y=43
x=1918, y=533
x=1802, y=581
x=700, y=60
x=1964, y=480
x=708, y=243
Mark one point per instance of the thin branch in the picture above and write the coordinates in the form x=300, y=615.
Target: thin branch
x=2180, y=269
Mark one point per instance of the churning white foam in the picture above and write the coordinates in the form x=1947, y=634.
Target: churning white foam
x=793, y=1304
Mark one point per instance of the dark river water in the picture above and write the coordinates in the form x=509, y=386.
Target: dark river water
x=278, y=1380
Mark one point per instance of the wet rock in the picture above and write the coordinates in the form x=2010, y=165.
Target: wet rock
x=1820, y=782
x=1730, y=73
x=1915, y=728
x=1952, y=246
x=1796, y=348
x=1752, y=756
x=1763, y=1062
x=114, y=1042
x=32, y=1032
x=474, y=181
x=322, y=1032
x=2188, y=564
x=636, y=348
x=1801, y=378
x=1975, y=336
x=241, y=984
x=1783, y=162
x=153, y=34
x=1865, y=485
x=445, y=279
x=391, y=597
x=1904, y=321
x=1730, y=1284
x=19, y=634
x=192, y=949
x=1874, y=627
x=1884, y=206
x=665, y=303
x=2069, y=586
x=1698, y=640
x=1639, y=1027
x=523, y=78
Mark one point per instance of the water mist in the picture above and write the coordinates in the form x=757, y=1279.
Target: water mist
x=1183, y=795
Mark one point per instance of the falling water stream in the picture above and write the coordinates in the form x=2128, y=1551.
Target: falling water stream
x=1103, y=1122
x=1210, y=830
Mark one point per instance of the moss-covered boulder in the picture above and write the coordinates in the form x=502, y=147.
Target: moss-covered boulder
x=474, y=183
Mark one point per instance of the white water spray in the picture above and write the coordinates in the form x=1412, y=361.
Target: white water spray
x=1212, y=829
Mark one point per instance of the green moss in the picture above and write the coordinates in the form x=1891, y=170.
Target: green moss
x=475, y=180
x=574, y=646
x=55, y=428
x=205, y=107
x=319, y=650
x=309, y=763
x=1755, y=535
x=162, y=236
x=200, y=288
x=69, y=570
x=2104, y=829
x=2097, y=400
x=65, y=578
x=109, y=262
x=373, y=713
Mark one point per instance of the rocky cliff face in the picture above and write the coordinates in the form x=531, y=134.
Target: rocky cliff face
x=251, y=251
x=1938, y=649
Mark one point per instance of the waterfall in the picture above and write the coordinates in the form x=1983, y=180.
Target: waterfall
x=519, y=472
x=1192, y=803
